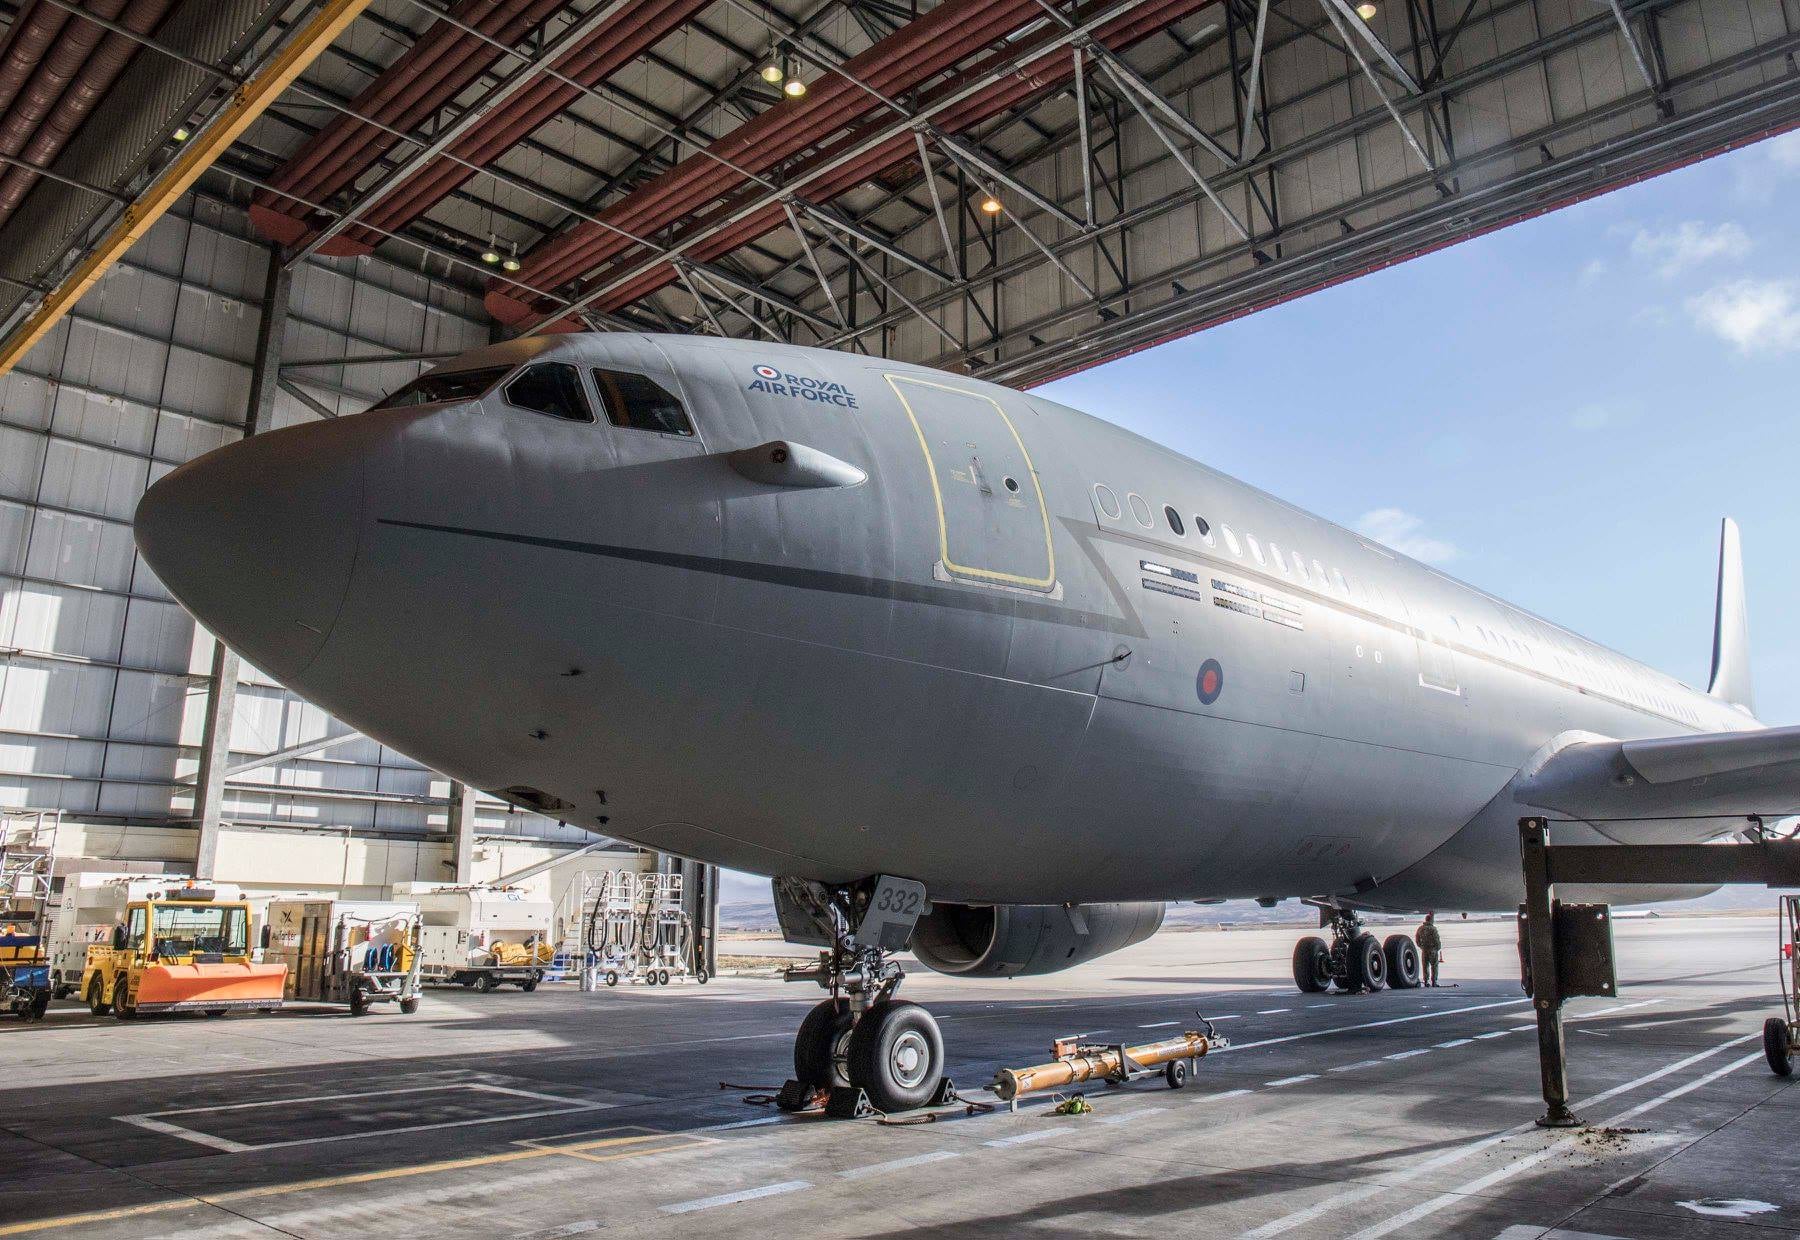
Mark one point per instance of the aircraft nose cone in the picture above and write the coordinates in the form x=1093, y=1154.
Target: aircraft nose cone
x=257, y=539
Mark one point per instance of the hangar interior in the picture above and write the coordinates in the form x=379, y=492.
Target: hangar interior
x=224, y=216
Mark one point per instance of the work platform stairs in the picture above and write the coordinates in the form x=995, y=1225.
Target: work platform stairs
x=27, y=859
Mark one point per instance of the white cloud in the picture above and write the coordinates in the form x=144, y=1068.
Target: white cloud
x=1784, y=152
x=1756, y=316
x=1674, y=250
x=1401, y=530
x=1595, y=268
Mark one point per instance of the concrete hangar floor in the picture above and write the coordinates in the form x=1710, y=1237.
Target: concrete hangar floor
x=557, y=1113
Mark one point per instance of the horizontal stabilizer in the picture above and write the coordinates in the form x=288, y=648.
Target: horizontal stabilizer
x=1723, y=775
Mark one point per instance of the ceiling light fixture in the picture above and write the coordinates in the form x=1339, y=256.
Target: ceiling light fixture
x=1366, y=11
x=181, y=134
x=990, y=205
x=794, y=88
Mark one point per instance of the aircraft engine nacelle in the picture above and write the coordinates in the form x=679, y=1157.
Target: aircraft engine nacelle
x=1014, y=940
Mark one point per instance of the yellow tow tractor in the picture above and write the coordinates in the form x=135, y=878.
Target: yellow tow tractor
x=183, y=949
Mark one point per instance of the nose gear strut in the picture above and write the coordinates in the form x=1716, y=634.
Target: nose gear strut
x=860, y=1052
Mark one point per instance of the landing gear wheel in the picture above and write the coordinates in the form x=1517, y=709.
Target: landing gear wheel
x=486, y=983
x=1312, y=965
x=612, y=977
x=408, y=1006
x=819, y=1047
x=896, y=1055
x=96, y=998
x=1402, y=961
x=1778, y=1046
x=1176, y=1074
x=1368, y=964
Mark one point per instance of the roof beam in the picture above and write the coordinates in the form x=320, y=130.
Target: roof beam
x=249, y=101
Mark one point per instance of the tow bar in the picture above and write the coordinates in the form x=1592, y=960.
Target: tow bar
x=1073, y=1061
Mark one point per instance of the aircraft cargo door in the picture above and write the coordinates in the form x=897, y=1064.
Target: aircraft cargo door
x=992, y=524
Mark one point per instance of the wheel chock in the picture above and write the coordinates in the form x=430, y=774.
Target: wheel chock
x=795, y=1096
x=945, y=1094
x=848, y=1102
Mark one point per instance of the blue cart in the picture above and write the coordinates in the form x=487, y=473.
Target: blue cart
x=24, y=976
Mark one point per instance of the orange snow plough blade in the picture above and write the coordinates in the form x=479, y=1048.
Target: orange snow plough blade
x=210, y=987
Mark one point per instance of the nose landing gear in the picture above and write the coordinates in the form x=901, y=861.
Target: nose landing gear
x=861, y=1051
x=1354, y=960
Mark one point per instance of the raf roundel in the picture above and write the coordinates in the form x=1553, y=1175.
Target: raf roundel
x=1210, y=683
x=768, y=372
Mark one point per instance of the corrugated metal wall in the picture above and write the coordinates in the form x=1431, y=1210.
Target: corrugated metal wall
x=102, y=674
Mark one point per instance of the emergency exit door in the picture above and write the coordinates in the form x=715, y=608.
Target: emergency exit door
x=993, y=526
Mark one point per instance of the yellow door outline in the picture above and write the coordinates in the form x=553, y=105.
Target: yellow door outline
x=937, y=493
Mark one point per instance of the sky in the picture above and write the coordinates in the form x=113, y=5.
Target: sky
x=1558, y=413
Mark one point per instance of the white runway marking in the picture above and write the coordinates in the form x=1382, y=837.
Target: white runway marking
x=1161, y=1024
x=1230, y=1093
x=740, y=1123
x=1353, y=1067
x=1273, y=1011
x=729, y=1199
x=1131, y=1115
x=1338, y=1201
x=1495, y=1033
x=1291, y=1080
x=1372, y=1024
x=1422, y=1050
x=1020, y=1138
x=1453, y=1042
x=1481, y=1183
x=898, y=1164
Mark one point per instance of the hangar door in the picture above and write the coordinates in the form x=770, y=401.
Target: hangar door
x=992, y=524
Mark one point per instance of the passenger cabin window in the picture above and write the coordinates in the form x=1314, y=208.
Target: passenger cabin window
x=641, y=403
x=437, y=387
x=1231, y=541
x=1174, y=521
x=1109, y=503
x=553, y=388
x=1203, y=529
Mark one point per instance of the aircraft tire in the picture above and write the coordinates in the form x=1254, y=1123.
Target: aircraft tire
x=818, y=1047
x=1368, y=964
x=1778, y=1047
x=1312, y=965
x=1402, y=962
x=896, y=1056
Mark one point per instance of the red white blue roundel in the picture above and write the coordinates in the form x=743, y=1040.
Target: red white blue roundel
x=1210, y=683
x=768, y=372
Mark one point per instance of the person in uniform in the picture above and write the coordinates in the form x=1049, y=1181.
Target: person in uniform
x=1431, y=948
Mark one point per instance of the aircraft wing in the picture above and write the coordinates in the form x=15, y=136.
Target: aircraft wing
x=1716, y=775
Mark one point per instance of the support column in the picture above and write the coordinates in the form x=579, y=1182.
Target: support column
x=222, y=681
x=700, y=901
x=1546, y=986
x=462, y=831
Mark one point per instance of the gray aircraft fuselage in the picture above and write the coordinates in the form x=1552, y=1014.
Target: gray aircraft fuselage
x=994, y=664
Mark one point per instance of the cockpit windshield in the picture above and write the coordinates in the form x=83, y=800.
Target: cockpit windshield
x=437, y=387
x=205, y=930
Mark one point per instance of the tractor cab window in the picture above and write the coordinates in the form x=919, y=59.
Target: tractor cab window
x=437, y=387
x=134, y=930
x=553, y=388
x=641, y=403
x=183, y=930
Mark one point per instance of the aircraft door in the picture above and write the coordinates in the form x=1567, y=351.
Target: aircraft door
x=993, y=526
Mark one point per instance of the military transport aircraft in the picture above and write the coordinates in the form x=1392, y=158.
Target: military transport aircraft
x=962, y=668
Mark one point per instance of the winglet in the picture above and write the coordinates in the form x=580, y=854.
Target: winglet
x=1731, y=624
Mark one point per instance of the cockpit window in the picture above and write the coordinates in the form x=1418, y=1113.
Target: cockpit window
x=437, y=387
x=553, y=388
x=641, y=403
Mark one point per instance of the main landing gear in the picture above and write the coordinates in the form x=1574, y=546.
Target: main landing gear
x=861, y=1051
x=1355, y=960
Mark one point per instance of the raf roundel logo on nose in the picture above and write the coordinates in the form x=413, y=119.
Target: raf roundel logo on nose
x=1211, y=682
x=768, y=372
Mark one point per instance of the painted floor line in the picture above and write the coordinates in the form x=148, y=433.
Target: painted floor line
x=898, y=1164
x=1291, y=1080
x=1230, y=1093
x=1272, y=1011
x=1494, y=1033
x=1453, y=1042
x=1020, y=1138
x=1337, y=1201
x=1372, y=1024
x=1131, y=1115
x=1421, y=1050
x=731, y=1199
x=1462, y=1192
x=1358, y=1066
x=1161, y=1024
